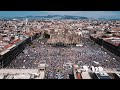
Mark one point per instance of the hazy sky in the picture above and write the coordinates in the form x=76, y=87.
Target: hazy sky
x=93, y=14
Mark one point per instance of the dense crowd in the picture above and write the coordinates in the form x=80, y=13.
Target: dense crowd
x=60, y=59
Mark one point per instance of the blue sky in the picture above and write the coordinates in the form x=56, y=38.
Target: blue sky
x=93, y=14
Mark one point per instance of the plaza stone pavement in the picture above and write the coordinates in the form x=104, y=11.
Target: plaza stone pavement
x=60, y=59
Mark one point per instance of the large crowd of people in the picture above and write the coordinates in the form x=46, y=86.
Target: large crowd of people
x=60, y=59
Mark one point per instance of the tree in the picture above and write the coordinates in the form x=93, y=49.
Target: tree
x=46, y=35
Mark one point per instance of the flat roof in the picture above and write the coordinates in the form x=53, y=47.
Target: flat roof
x=7, y=46
x=42, y=65
x=11, y=46
x=22, y=76
x=5, y=51
x=16, y=40
x=85, y=75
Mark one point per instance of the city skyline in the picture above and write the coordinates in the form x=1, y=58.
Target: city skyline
x=59, y=47
x=89, y=14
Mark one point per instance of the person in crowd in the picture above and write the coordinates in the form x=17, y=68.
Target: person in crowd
x=57, y=58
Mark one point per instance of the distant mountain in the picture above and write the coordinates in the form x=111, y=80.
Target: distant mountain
x=60, y=17
x=74, y=17
x=108, y=18
x=52, y=17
